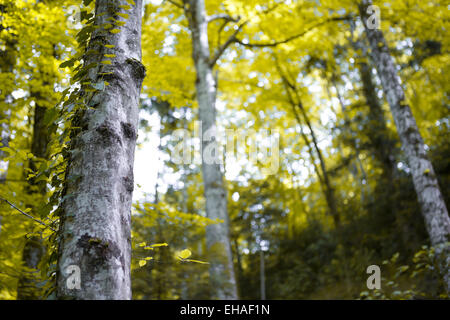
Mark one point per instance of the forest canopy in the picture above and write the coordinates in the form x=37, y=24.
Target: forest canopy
x=237, y=149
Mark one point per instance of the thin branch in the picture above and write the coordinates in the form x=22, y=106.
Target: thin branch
x=220, y=16
x=294, y=37
x=219, y=32
x=227, y=43
x=176, y=4
x=12, y=180
x=27, y=215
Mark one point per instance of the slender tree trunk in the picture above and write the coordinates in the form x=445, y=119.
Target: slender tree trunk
x=324, y=178
x=383, y=144
x=262, y=274
x=34, y=249
x=222, y=278
x=4, y=140
x=7, y=62
x=329, y=189
x=96, y=211
x=184, y=284
x=426, y=184
x=348, y=137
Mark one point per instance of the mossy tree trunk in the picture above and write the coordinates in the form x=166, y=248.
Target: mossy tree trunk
x=95, y=231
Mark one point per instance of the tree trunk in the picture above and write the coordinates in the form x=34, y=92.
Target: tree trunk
x=329, y=194
x=222, y=279
x=7, y=62
x=324, y=179
x=262, y=274
x=383, y=145
x=426, y=184
x=34, y=249
x=4, y=140
x=96, y=210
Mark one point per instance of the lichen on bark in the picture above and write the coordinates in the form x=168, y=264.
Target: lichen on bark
x=96, y=214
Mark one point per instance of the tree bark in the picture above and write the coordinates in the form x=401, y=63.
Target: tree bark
x=222, y=278
x=96, y=209
x=383, y=144
x=426, y=184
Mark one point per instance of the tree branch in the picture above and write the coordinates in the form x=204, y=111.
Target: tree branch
x=27, y=215
x=227, y=43
x=176, y=4
x=299, y=35
x=223, y=16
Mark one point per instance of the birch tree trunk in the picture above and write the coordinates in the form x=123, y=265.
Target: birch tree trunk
x=222, y=278
x=95, y=223
x=426, y=184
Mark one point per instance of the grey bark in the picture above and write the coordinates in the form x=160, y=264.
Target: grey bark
x=222, y=278
x=431, y=201
x=96, y=209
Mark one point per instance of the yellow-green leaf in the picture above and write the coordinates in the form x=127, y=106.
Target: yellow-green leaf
x=184, y=254
x=197, y=261
x=159, y=245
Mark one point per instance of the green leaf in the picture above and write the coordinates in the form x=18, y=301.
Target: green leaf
x=142, y=263
x=184, y=254
x=196, y=261
x=159, y=245
x=123, y=15
x=68, y=63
